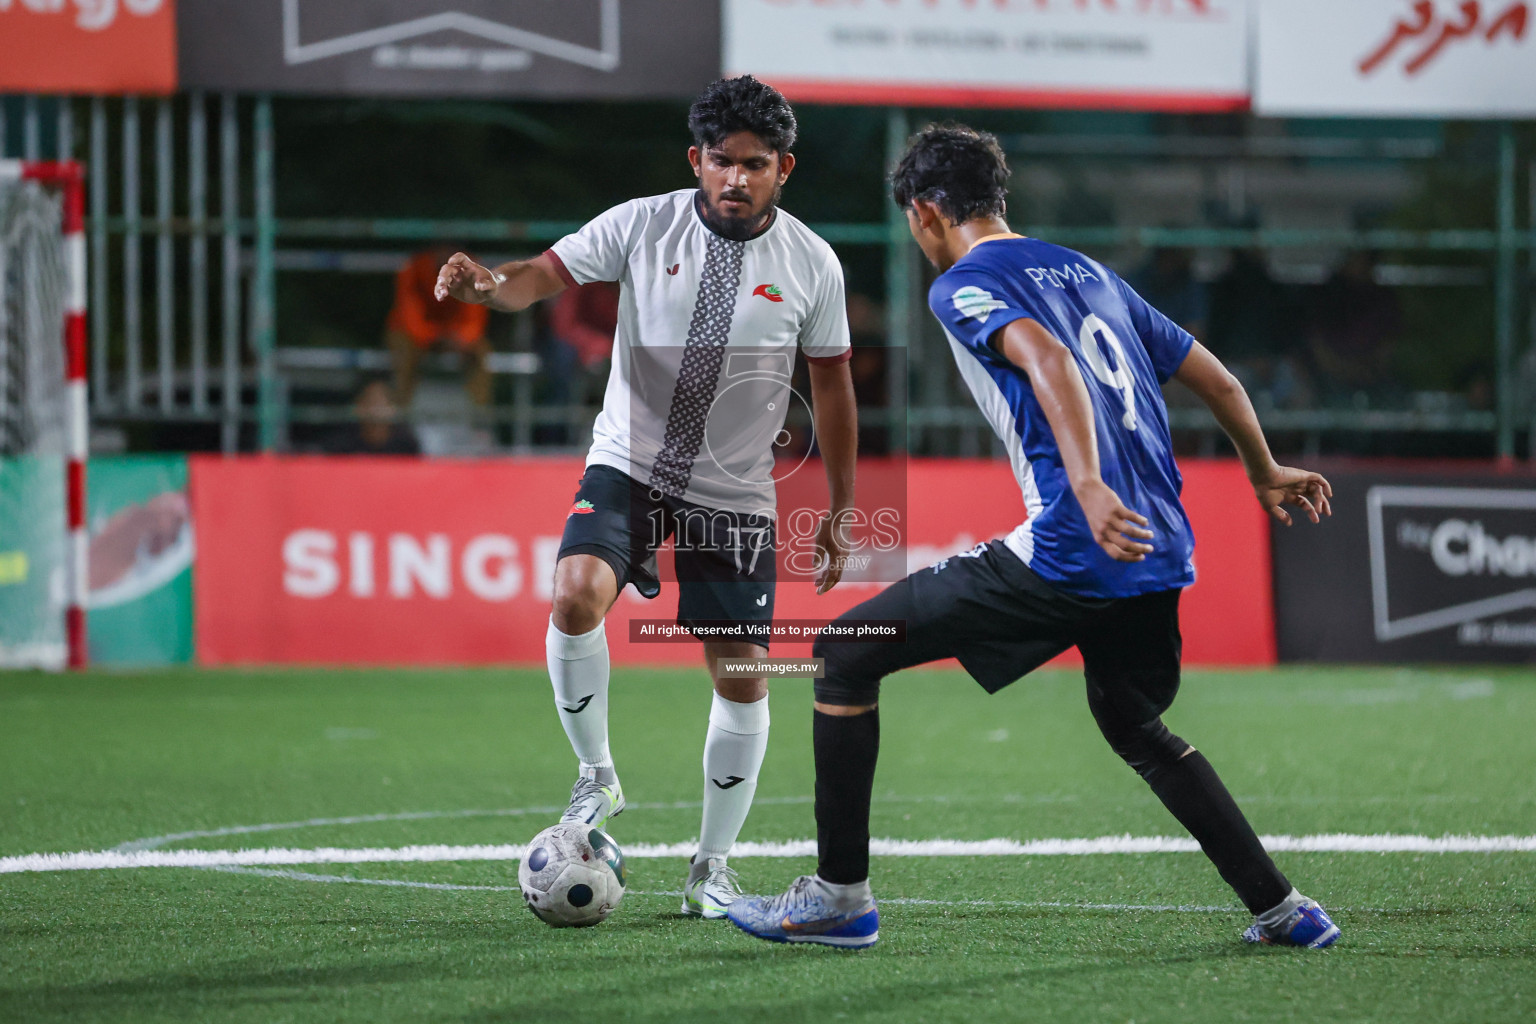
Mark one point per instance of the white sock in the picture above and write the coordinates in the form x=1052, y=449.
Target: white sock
x=846, y=897
x=1275, y=916
x=578, y=668
x=733, y=753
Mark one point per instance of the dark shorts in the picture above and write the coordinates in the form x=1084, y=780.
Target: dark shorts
x=726, y=562
x=987, y=609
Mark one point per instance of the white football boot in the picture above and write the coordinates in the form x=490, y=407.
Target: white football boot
x=593, y=803
x=711, y=888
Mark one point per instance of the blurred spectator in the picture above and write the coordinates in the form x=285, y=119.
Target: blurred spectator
x=577, y=348
x=418, y=323
x=1525, y=393
x=868, y=367
x=1253, y=331
x=1168, y=283
x=377, y=430
x=1354, y=324
x=584, y=319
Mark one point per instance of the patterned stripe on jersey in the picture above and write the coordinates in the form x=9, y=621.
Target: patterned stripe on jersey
x=699, y=375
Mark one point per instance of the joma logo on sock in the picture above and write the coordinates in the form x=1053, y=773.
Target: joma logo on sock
x=581, y=705
x=730, y=780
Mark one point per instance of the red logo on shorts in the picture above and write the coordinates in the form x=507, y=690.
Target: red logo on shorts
x=582, y=508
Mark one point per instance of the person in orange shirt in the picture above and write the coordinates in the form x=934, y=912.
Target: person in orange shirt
x=418, y=322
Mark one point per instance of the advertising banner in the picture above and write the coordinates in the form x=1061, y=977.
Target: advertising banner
x=32, y=552
x=1176, y=55
x=88, y=46
x=401, y=561
x=139, y=611
x=1396, y=58
x=1414, y=566
x=570, y=49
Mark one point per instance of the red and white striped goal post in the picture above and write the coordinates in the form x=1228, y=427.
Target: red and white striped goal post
x=69, y=178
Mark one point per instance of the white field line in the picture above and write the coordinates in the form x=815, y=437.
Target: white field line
x=892, y=901
x=1332, y=843
x=401, y=883
x=155, y=842
x=671, y=894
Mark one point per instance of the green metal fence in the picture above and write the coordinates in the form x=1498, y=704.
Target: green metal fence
x=236, y=379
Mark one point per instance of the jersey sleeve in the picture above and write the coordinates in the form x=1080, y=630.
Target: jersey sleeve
x=972, y=306
x=824, y=335
x=600, y=250
x=1165, y=341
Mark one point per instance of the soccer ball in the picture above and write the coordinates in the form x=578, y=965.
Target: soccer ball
x=572, y=875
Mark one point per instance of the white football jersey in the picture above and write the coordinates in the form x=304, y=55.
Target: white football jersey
x=705, y=347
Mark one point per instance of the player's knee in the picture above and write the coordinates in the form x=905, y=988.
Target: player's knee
x=1148, y=748
x=742, y=690
x=834, y=654
x=579, y=602
x=845, y=679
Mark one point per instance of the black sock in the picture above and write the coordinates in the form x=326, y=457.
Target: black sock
x=1190, y=788
x=846, y=748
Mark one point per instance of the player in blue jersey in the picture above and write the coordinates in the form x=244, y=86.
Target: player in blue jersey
x=1067, y=362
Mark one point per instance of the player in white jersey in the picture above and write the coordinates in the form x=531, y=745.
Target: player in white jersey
x=718, y=289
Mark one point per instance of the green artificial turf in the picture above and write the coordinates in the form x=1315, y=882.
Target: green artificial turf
x=94, y=761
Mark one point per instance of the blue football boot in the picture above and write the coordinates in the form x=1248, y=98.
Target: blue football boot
x=805, y=913
x=1308, y=925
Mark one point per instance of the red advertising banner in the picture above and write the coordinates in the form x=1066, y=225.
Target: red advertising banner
x=88, y=46
x=402, y=561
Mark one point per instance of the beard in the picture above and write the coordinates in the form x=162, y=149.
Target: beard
x=736, y=227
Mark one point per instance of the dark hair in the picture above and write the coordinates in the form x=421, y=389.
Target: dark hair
x=731, y=105
x=960, y=170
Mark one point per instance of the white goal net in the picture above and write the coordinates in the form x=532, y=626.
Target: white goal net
x=33, y=424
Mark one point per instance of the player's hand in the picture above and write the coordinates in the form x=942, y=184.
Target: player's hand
x=1117, y=529
x=1281, y=485
x=464, y=279
x=831, y=550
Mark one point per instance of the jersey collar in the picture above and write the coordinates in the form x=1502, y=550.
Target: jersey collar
x=999, y=237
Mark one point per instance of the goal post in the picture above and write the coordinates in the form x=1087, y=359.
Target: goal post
x=43, y=416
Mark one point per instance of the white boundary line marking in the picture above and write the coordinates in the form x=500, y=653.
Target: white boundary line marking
x=1333, y=843
x=896, y=901
x=400, y=883
x=156, y=842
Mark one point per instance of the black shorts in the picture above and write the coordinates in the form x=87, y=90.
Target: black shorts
x=726, y=562
x=990, y=611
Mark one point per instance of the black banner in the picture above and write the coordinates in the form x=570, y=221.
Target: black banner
x=550, y=49
x=1413, y=567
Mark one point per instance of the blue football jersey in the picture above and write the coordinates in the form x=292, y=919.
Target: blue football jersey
x=1125, y=350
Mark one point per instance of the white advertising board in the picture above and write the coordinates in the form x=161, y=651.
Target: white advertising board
x=1396, y=58
x=1180, y=55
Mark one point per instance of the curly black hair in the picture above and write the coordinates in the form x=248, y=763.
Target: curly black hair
x=731, y=105
x=959, y=169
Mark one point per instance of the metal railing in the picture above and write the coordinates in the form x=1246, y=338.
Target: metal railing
x=184, y=244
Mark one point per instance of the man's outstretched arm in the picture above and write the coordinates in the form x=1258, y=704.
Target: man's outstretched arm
x=1273, y=484
x=509, y=288
x=837, y=436
x=1059, y=388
